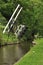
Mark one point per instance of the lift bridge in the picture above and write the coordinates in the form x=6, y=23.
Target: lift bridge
x=21, y=28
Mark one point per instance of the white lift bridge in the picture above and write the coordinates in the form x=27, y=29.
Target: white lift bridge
x=20, y=27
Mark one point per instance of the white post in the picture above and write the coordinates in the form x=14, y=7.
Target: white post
x=11, y=18
x=15, y=18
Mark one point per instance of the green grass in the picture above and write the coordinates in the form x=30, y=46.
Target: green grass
x=11, y=39
x=35, y=56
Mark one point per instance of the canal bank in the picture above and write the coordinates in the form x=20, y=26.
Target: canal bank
x=34, y=56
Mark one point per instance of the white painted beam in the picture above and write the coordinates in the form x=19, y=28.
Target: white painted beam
x=15, y=18
x=11, y=18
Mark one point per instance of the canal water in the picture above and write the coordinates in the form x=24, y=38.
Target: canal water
x=10, y=54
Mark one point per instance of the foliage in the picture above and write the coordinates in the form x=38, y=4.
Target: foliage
x=31, y=15
x=0, y=38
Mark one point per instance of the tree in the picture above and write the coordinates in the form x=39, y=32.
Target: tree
x=31, y=15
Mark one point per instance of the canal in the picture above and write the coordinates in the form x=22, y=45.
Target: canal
x=10, y=54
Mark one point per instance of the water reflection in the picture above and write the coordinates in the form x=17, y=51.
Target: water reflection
x=12, y=53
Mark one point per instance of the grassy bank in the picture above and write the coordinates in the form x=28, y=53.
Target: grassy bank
x=4, y=38
x=35, y=56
